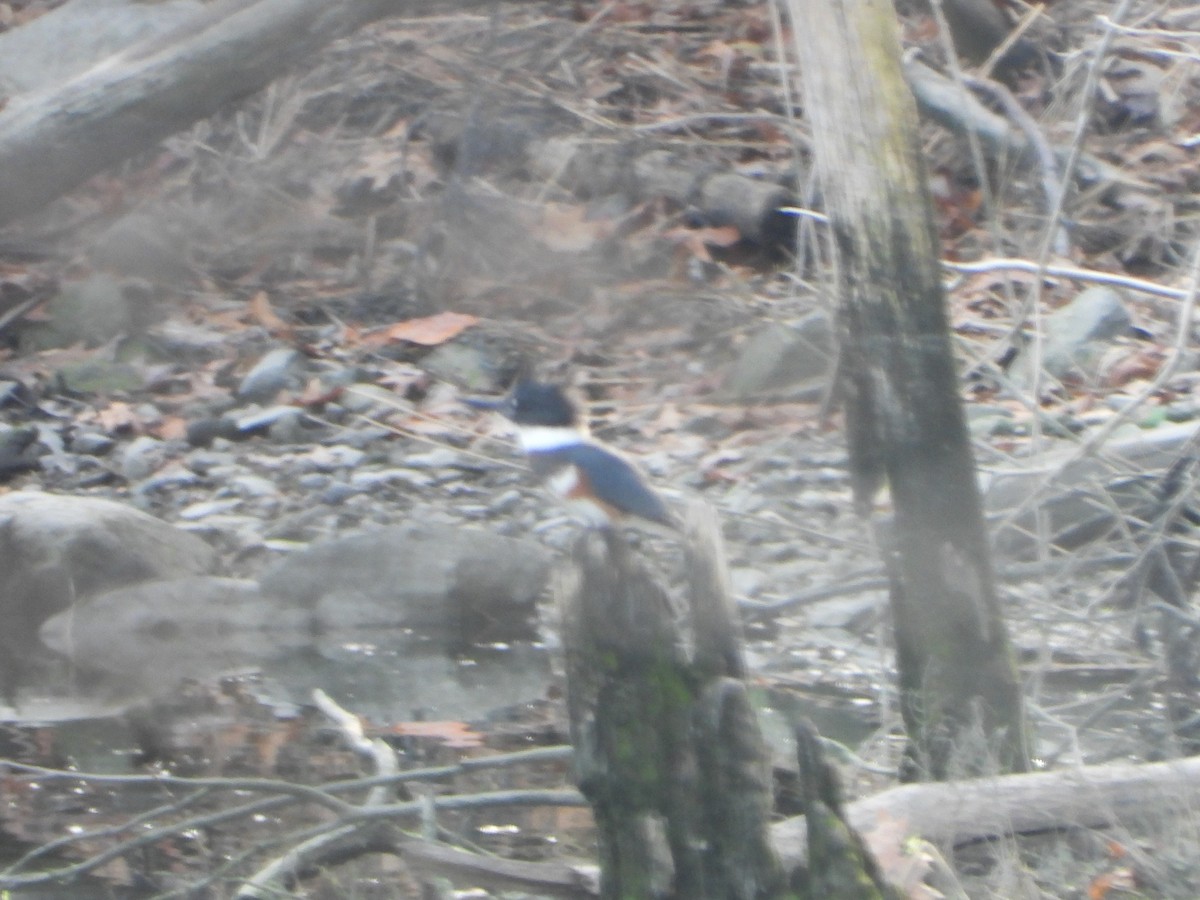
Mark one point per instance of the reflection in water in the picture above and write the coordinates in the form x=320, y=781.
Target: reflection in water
x=386, y=675
x=396, y=676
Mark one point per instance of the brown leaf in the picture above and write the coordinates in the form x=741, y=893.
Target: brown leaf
x=567, y=229
x=1140, y=365
x=696, y=241
x=264, y=315
x=117, y=417
x=171, y=428
x=1122, y=880
x=452, y=734
x=431, y=330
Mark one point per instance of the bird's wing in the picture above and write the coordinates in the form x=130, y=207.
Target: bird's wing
x=617, y=483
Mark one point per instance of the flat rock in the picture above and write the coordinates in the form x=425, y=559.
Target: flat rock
x=783, y=361
x=1081, y=499
x=1077, y=334
x=58, y=550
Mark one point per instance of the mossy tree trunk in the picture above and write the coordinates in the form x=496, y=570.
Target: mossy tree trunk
x=667, y=747
x=960, y=692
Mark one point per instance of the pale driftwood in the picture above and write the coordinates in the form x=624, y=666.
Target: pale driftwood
x=951, y=814
x=959, y=813
x=285, y=869
x=69, y=39
x=55, y=139
x=428, y=859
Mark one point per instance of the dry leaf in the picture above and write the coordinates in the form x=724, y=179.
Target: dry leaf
x=116, y=417
x=264, y=315
x=568, y=230
x=1143, y=364
x=452, y=734
x=171, y=428
x=697, y=240
x=1122, y=880
x=431, y=330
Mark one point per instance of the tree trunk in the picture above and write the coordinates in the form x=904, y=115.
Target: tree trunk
x=904, y=420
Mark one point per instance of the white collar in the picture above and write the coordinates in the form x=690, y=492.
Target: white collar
x=544, y=438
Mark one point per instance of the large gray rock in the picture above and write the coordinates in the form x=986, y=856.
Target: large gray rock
x=57, y=550
x=783, y=362
x=1077, y=336
x=466, y=583
x=1081, y=500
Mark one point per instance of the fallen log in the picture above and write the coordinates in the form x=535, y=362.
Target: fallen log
x=958, y=813
x=53, y=140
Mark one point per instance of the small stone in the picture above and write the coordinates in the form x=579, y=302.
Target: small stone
x=1076, y=335
x=783, y=360
x=746, y=582
x=360, y=435
x=147, y=414
x=363, y=398
x=197, y=511
x=279, y=369
x=98, y=376
x=253, y=486
x=329, y=459
x=338, y=493
x=170, y=478
x=506, y=502
x=142, y=457
x=92, y=443
x=206, y=462
x=368, y=480
x=441, y=458
x=202, y=432
x=474, y=511
x=313, y=481
x=288, y=428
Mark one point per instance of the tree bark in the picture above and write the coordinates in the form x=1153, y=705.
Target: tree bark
x=904, y=419
x=53, y=140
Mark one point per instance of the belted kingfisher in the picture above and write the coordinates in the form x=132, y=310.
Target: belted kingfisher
x=596, y=481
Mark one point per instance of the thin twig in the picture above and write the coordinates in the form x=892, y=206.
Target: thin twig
x=1183, y=334
x=1052, y=184
x=10, y=879
x=1060, y=271
x=382, y=758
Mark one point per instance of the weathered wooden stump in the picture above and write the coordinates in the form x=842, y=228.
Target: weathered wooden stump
x=667, y=748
